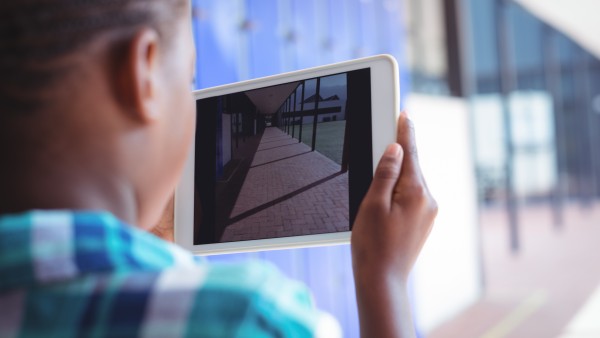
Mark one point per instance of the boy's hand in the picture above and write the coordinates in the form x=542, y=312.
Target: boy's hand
x=166, y=227
x=390, y=230
x=397, y=213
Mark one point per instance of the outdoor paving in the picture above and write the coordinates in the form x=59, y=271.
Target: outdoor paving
x=289, y=191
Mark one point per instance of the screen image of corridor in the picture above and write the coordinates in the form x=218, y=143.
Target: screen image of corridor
x=282, y=167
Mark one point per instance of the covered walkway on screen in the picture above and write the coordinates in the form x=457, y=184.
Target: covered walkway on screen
x=289, y=190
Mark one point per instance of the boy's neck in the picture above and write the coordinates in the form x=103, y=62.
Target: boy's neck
x=21, y=192
x=51, y=160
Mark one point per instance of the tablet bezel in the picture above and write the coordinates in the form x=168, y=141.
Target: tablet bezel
x=385, y=103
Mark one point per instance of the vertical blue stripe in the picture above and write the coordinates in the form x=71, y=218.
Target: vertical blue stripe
x=125, y=240
x=307, y=42
x=54, y=311
x=91, y=310
x=215, y=57
x=15, y=250
x=129, y=306
x=265, y=42
x=342, y=40
x=89, y=244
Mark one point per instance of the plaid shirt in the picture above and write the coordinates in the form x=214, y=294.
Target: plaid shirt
x=87, y=274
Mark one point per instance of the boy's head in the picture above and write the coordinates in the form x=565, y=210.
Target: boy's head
x=95, y=104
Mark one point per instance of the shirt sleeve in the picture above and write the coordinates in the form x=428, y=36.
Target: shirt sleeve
x=255, y=299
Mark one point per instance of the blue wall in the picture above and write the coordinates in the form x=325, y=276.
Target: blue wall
x=238, y=40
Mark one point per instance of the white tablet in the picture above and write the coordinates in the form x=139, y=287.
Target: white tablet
x=284, y=161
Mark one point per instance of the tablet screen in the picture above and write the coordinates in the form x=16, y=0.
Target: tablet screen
x=287, y=160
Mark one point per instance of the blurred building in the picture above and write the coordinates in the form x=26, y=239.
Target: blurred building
x=531, y=87
x=551, y=83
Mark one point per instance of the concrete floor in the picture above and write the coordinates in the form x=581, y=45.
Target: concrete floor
x=548, y=289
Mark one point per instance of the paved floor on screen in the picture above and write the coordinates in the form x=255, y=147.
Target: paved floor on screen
x=289, y=190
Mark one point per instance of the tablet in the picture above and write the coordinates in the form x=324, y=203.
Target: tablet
x=284, y=161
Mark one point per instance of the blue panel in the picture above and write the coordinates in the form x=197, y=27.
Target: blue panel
x=384, y=34
x=265, y=42
x=323, y=278
x=369, y=27
x=291, y=262
x=337, y=291
x=354, y=27
x=307, y=39
x=351, y=327
x=323, y=24
x=327, y=271
x=390, y=31
x=340, y=34
x=215, y=47
x=324, y=31
x=231, y=258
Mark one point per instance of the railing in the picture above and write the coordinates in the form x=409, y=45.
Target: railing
x=288, y=117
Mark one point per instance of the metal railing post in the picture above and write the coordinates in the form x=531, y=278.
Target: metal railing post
x=289, y=109
x=345, y=147
x=316, y=114
x=294, y=114
x=301, y=113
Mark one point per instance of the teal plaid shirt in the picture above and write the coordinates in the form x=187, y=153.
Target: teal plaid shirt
x=87, y=274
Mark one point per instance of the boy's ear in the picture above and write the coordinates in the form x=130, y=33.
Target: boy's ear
x=140, y=77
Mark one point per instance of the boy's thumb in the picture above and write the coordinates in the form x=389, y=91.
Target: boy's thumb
x=387, y=173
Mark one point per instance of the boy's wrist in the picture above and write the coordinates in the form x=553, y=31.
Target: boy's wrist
x=381, y=276
x=382, y=295
x=374, y=268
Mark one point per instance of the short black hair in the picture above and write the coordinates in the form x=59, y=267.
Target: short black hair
x=34, y=33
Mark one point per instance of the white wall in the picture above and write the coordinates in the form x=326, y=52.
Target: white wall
x=447, y=275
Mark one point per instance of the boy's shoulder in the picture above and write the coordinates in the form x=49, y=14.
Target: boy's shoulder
x=87, y=271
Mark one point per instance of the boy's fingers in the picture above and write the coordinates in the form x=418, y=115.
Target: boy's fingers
x=406, y=138
x=386, y=175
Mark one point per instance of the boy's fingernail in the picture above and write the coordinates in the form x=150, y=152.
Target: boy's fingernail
x=393, y=150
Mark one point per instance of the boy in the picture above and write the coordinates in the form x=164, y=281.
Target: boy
x=96, y=118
